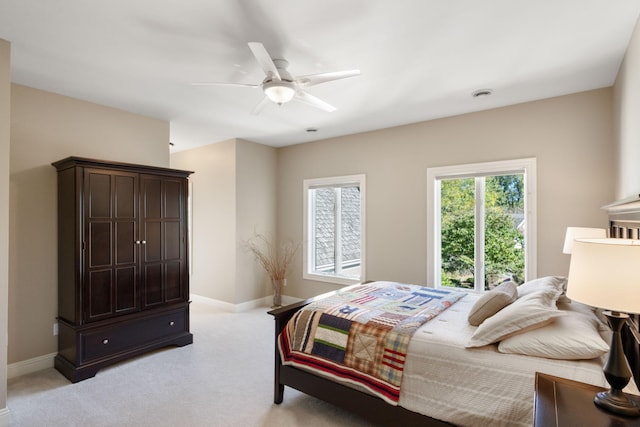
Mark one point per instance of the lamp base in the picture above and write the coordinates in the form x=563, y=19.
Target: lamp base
x=617, y=402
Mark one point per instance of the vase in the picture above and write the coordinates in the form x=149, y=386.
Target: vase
x=278, y=284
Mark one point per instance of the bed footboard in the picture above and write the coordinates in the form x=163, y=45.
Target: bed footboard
x=355, y=401
x=282, y=316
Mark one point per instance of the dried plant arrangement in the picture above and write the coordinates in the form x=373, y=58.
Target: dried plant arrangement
x=274, y=259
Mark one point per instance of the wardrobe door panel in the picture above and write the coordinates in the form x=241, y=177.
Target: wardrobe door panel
x=153, y=285
x=100, y=303
x=164, y=221
x=172, y=239
x=152, y=197
x=111, y=250
x=126, y=247
x=99, y=194
x=100, y=248
x=125, y=197
x=173, y=199
x=174, y=281
x=126, y=297
x=153, y=241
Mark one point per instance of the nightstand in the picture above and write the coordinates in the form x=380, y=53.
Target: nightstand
x=560, y=402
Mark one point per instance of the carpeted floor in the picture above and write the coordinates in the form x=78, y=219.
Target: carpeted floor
x=225, y=378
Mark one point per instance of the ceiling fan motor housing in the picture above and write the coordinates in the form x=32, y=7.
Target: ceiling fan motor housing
x=279, y=91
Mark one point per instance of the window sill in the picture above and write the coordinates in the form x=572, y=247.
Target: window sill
x=336, y=280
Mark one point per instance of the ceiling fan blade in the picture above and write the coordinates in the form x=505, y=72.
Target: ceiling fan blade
x=311, y=100
x=224, y=84
x=314, y=79
x=258, y=108
x=264, y=59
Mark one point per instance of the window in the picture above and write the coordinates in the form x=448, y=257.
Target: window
x=481, y=224
x=334, y=229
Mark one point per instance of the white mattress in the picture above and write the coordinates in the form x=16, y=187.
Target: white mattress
x=479, y=386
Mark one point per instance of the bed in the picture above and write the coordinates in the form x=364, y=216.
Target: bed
x=468, y=387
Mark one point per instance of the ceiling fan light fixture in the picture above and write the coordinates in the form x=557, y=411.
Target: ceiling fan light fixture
x=279, y=91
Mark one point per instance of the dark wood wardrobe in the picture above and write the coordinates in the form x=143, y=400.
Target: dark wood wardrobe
x=123, y=280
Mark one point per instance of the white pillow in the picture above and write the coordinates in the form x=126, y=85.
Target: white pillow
x=571, y=337
x=531, y=311
x=558, y=283
x=491, y=302
x=593, y=313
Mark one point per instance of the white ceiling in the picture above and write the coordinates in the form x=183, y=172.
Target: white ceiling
x=420, y=59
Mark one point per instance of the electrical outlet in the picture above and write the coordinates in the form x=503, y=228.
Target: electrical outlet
x=55, y=329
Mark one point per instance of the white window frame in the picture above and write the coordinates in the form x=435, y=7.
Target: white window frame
x=526, y=166
x=307, y=250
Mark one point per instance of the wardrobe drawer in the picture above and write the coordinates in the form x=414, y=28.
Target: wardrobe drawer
x=124, y=336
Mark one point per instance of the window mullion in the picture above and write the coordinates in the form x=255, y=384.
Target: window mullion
x=479, y=233
x=311, y=229
x=437, y=234
x=337, y=245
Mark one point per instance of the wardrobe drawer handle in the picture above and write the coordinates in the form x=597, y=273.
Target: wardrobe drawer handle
x=105, y=341
x=172, y=323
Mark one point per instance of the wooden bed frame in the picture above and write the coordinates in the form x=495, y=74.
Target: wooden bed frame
x=357, y=402
x=624, y=223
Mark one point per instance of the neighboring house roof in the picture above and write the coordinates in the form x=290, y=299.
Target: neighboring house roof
x=325, y=225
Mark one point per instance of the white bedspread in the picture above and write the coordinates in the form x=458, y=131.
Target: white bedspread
x=480, y=386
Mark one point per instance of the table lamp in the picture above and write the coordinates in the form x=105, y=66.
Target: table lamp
x=574, y=233
x=604, y=273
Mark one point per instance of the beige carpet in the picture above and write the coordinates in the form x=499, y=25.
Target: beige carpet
x=225, y=378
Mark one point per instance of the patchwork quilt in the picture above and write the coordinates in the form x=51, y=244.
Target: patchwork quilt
x=360, y=336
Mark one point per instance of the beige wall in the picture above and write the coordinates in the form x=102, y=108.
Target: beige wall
x=233, y=194
x=46, y=127
x=256, y=212
x=5, y=124
x=213, y=220
x=570, y=137
x=627, y=120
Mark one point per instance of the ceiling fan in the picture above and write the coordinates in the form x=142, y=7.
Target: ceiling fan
x=280, y=87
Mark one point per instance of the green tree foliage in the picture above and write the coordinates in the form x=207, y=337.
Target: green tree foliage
x=457, y=202
x=508, y=189
x=504, y=243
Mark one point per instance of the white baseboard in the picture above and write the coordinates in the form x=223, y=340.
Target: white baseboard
x=4, y=417
x=44, y=362
x=221, y=305
x=245, y=306
x=31, y=365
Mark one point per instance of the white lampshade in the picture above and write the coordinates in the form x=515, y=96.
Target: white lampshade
x=604, y=273
x=279, y=91
x=581, y=233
